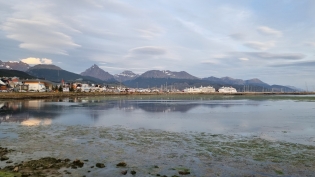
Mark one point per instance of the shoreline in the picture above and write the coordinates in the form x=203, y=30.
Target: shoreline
x=11, y=95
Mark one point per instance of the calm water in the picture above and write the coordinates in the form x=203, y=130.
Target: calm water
x=289, y=118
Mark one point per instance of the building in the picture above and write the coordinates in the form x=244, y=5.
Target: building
x=201, y=89
x=227, y=90
x=38, y=84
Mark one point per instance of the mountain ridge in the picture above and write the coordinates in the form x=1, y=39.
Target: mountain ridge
x=14, y=65
x=96, y=72
x=151, y=78
x=167, y=74
x=125, y=76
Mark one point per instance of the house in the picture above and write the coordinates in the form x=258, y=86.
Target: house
x=38, y=84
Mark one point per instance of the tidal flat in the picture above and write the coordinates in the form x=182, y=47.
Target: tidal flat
x=76, y=138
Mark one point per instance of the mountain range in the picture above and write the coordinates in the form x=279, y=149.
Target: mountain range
x=153, y=78
x=14, y=65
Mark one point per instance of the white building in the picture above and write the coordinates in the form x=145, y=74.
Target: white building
x=227, y=90
x=201, y=89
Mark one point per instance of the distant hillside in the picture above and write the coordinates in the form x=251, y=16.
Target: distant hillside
x=231, y=81
x=167, y=74
x=181, y=84
x=125, y=76
x=96, y=72
x=141, y=82
x=45, y=66
x=56, y=74
x=14, y=65
x=12, y=73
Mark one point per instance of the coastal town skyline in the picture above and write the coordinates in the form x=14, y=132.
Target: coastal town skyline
x=272, y=41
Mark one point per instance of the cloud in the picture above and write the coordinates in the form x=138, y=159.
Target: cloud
x=269, y=31
x=237, y=36
x=311, y=44
x=148, y=50
x=260, y=45
x=35, y=61
x=209, y=62
x=297, y=64
x=268, y=55
x=243, y=59
x=41, y=32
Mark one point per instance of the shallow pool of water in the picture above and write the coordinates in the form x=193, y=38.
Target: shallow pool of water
x=289, y=118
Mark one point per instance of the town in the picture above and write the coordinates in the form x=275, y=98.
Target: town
x=14, y=84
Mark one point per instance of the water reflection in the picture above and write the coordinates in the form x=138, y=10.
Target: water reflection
x=203, y=114
x=36, y=122
x=22, y=110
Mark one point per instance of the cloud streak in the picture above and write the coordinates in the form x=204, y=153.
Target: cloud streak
x=269, y=31
x=38, y=36
x=295, y=64
x=260, y=45
x=269, y=55
x=148, y=50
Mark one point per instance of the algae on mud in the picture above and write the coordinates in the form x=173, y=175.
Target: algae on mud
x=196, y=154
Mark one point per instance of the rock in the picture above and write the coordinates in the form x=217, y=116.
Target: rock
x=4, y=158
x=16, y=169
x=133, y=172
x=25, y=175
x=184, y=172
x=9, y=161
x=100, y=165
x=9, y=168
x=78, y=163
x=124, y=172
x=121, y=164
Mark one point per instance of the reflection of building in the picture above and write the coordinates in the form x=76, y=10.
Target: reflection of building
x=34, y=104
x=26, y=112
x=35, y=122
x=17, y=118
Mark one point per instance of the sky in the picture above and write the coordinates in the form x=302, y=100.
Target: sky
x=270, y=40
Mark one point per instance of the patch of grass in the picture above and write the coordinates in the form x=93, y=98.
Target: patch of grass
x=279, y=172
x=9, y=174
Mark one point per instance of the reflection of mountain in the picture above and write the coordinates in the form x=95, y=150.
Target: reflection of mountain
x=166, y=107
x=20, y=111
x=176, y=106
x=42, y=112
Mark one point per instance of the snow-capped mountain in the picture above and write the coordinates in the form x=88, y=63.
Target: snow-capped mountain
x=14, y=65
x=96, y=72
x=167, y=74
x=125, y=76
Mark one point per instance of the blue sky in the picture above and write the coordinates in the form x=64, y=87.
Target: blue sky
x=270, y=40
